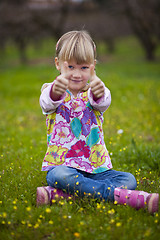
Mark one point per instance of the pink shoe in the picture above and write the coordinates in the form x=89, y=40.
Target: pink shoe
x=45, y=195
x=42, y=196
x=153, y=202
x=136, y=199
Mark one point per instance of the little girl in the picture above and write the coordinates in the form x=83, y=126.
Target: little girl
x=77, y=161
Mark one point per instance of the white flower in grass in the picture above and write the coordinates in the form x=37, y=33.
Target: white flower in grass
x=120, y=131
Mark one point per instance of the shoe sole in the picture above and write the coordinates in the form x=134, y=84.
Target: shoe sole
x=153, y=203
x=42, y=196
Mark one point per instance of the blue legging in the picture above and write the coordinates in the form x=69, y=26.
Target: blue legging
x=100, y=185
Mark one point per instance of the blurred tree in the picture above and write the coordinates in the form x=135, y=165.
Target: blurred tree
x=144, y=19
x=52, y=18
x=22, y=23
x=15, y=24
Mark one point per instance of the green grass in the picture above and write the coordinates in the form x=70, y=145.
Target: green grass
x=135, y=108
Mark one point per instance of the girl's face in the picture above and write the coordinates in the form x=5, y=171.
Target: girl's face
x=77, y=74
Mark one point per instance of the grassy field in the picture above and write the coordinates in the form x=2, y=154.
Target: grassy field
x=135, y=112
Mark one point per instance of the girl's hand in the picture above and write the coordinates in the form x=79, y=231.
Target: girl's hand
x=97, y=86
x=60, y=84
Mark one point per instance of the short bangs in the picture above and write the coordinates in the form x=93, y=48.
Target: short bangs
x=76, y=46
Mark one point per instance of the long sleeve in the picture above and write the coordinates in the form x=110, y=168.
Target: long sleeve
x=47, y=104
x=101, y=104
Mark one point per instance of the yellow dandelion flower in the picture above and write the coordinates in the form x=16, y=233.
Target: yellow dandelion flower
x=80, y=210
x=77, y=183
x=3, y=222
x=112, y=211
x=50, y=222
x=98, y=206
x=118, y=224
x=9, y=222
x=29, y=225
x=53, y=201
x=61, y=203
x=109, y=188
x=64, y=216
x=56, y=196
x=69, y=198
x=156, y=221
x=0, y=202
x=112, y=221
x=39, y=220
x=115, y=202
x=15, y=207
x=70, y=202
x=23, y=222
x=4, y=214
x=36, y=225
x=77, y=234
x=28, y=209
x=82, y=223
x=48, y=210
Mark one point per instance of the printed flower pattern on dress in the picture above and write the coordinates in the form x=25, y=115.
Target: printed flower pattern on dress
x=50, y=123
x=61, y=134
x=80, y=164
x=87, y=120
x=79, y=149
x=64, y=112
x=77, y=107
x=98, y=156
x=55, y=155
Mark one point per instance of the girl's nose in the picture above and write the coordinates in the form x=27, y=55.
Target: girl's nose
x=76, y=74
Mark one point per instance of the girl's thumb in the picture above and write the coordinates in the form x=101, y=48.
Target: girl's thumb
x=92, y=72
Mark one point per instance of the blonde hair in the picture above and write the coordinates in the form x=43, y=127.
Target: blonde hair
x=76, y=45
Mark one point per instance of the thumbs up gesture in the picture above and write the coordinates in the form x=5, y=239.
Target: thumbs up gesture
x=97, y=86
x=60, y=84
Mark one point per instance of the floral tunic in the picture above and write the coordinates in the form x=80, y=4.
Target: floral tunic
x=74, y=132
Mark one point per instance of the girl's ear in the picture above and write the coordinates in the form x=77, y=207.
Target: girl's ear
x=57, y=64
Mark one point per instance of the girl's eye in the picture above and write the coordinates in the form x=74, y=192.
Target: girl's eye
x=84, y=68
x=70, y=67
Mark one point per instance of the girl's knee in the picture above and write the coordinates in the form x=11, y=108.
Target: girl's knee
x=59, y=174
x=132, y=183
